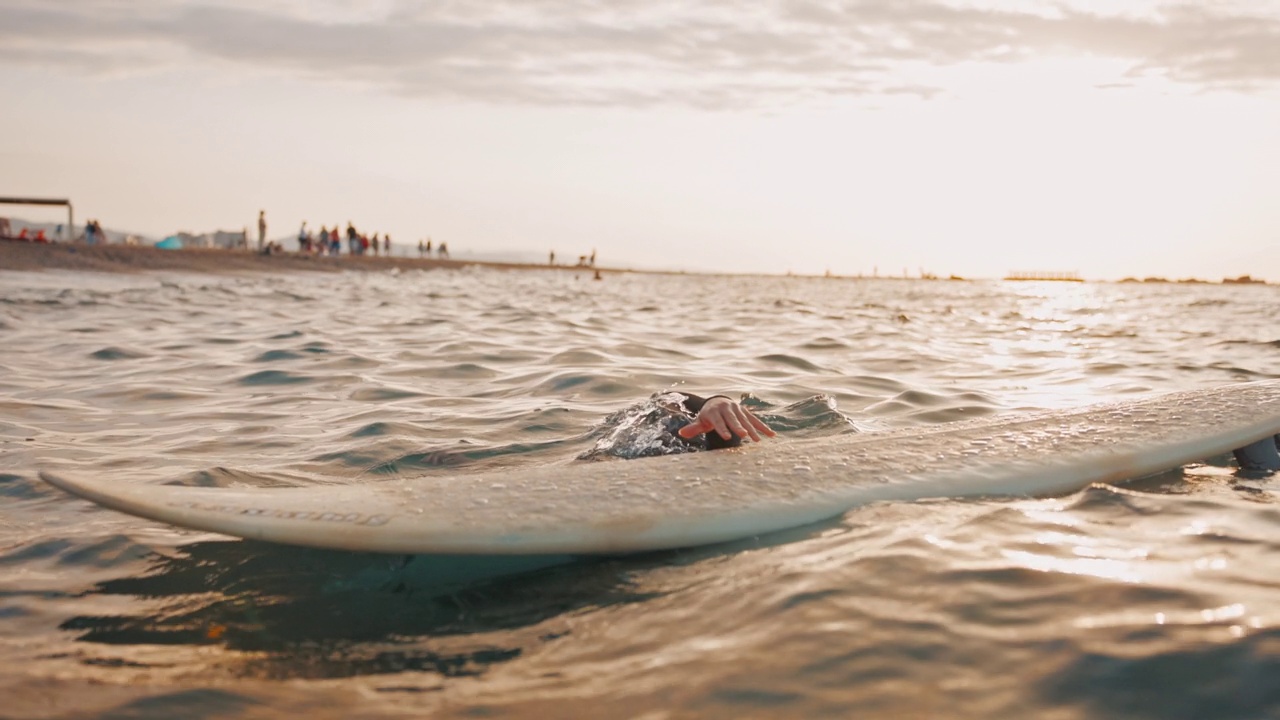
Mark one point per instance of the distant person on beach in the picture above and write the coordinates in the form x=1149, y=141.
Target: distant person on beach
x=428, y=247
x=443, y=252
x=386, y=245
x=551, y=260
x=262, y=228
x=674, y=422
x=335, y=244
x=93, y=233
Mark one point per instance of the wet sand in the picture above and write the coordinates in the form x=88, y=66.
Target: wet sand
x=137, y=258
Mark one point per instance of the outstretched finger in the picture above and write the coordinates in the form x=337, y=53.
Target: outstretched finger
x=741, y=426
x=717, y=420
x=694, y=429
x=760, y=425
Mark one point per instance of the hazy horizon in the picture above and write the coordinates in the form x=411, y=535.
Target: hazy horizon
x=1139, y=138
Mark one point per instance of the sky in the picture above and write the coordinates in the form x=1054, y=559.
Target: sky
x=1110, y=138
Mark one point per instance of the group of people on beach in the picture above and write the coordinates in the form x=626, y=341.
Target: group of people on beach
x=328, y=241
x=26, y=234
x=584, y=261
x=424, y=249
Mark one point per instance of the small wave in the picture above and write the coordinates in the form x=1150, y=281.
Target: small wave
x=34, y=551
x=110, y=552
x=824, y=343
x=874, y=384
x=225, y=477
x=170, y=396
x=20, y=487
x=1100, y=682
x=276, y=356
x=382, y=394
x=274, y=377
x=464, y=370
x=1110, y=501
x=578, y=358
x=117, y=353
x=1258, y=343
x=950, y=414
x=485, y=455
x=921, y=407
x=383, y=429
x=815, y=416
x=591, y=384
x=792, y=361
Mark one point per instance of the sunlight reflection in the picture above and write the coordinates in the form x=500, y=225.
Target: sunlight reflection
x=1195, y=527
x=1235, y=613
x=1108, y=569
x=1050, y=512
x=1210, y=563
x=1226, y=612
x=941, y=542
x=1086, y=547
x=1052, y=325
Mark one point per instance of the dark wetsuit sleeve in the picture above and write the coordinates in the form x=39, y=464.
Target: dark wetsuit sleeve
x=693, y=404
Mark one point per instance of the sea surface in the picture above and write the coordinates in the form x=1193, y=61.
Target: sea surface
x=1159, y=598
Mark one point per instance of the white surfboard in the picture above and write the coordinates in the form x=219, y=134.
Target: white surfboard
x=710, y=497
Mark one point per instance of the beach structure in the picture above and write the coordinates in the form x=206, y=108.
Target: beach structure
x=1044, y=275
x=220, y=239
x=71, y=219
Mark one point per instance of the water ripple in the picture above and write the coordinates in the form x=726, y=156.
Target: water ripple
x=1155, y=599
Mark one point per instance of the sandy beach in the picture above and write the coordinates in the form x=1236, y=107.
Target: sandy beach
x=136, y=258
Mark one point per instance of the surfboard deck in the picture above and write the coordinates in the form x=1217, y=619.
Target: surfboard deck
x=702, y=498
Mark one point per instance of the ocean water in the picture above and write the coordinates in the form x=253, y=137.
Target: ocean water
x=1159, y=598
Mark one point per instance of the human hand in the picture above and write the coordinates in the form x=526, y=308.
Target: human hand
x=727, y=418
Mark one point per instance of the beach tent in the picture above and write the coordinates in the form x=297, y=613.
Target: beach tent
x=170, y=243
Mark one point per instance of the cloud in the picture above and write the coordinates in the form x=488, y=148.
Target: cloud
x=713, y=54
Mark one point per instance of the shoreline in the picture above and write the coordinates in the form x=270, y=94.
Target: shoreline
x=119, y=258
x=28, y=256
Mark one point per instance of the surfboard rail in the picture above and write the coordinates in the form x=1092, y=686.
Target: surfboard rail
x=703, y=498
